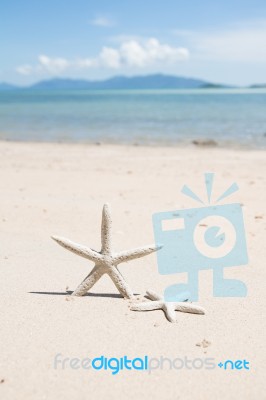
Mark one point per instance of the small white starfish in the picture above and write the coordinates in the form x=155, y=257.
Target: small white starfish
x=169, y=307
x=105, y=261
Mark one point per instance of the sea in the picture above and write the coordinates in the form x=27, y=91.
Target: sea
x=223, y=117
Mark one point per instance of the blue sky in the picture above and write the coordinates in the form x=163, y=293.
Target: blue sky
x=220, y=41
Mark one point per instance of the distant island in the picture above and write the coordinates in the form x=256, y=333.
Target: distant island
x=258, y=86
x=145, y=82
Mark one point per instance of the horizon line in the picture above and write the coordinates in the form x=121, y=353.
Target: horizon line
x=207, y=82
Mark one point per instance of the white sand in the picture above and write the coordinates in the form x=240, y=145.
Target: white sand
x=60, y=189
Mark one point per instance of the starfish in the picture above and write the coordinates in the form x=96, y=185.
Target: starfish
x=106, y=261
x=169, y=308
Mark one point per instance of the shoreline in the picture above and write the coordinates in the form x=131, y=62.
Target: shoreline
x=204, y=144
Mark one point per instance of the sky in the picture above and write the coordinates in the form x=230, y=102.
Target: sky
x=219, y=41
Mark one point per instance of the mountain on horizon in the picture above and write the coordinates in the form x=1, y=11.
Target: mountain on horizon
x=156, y=81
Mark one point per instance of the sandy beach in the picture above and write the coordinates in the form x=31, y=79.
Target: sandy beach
x=59, y=189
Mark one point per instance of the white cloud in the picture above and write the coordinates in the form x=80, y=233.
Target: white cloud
x=133, y=54
x=81, y=63
x=24, y=69
x=136, y=54
x=129, y=54
x=109, y=57
x=103, y=21
x=53, y=65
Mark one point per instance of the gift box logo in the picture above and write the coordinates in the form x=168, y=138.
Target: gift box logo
x=195, y=239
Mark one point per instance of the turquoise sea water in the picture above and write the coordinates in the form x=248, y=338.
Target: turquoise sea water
x=230, y=117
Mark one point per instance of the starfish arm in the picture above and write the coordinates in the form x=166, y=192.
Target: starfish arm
x=106, y=230
x=189, y=308
x=78, y=249
x=153, y=296
x=169, y=311
x=134, y=253
x=89, y=281
x=120, y=283
x=146, y=306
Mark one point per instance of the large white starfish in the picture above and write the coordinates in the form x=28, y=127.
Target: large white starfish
x=169, y=308
x=105, y=261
